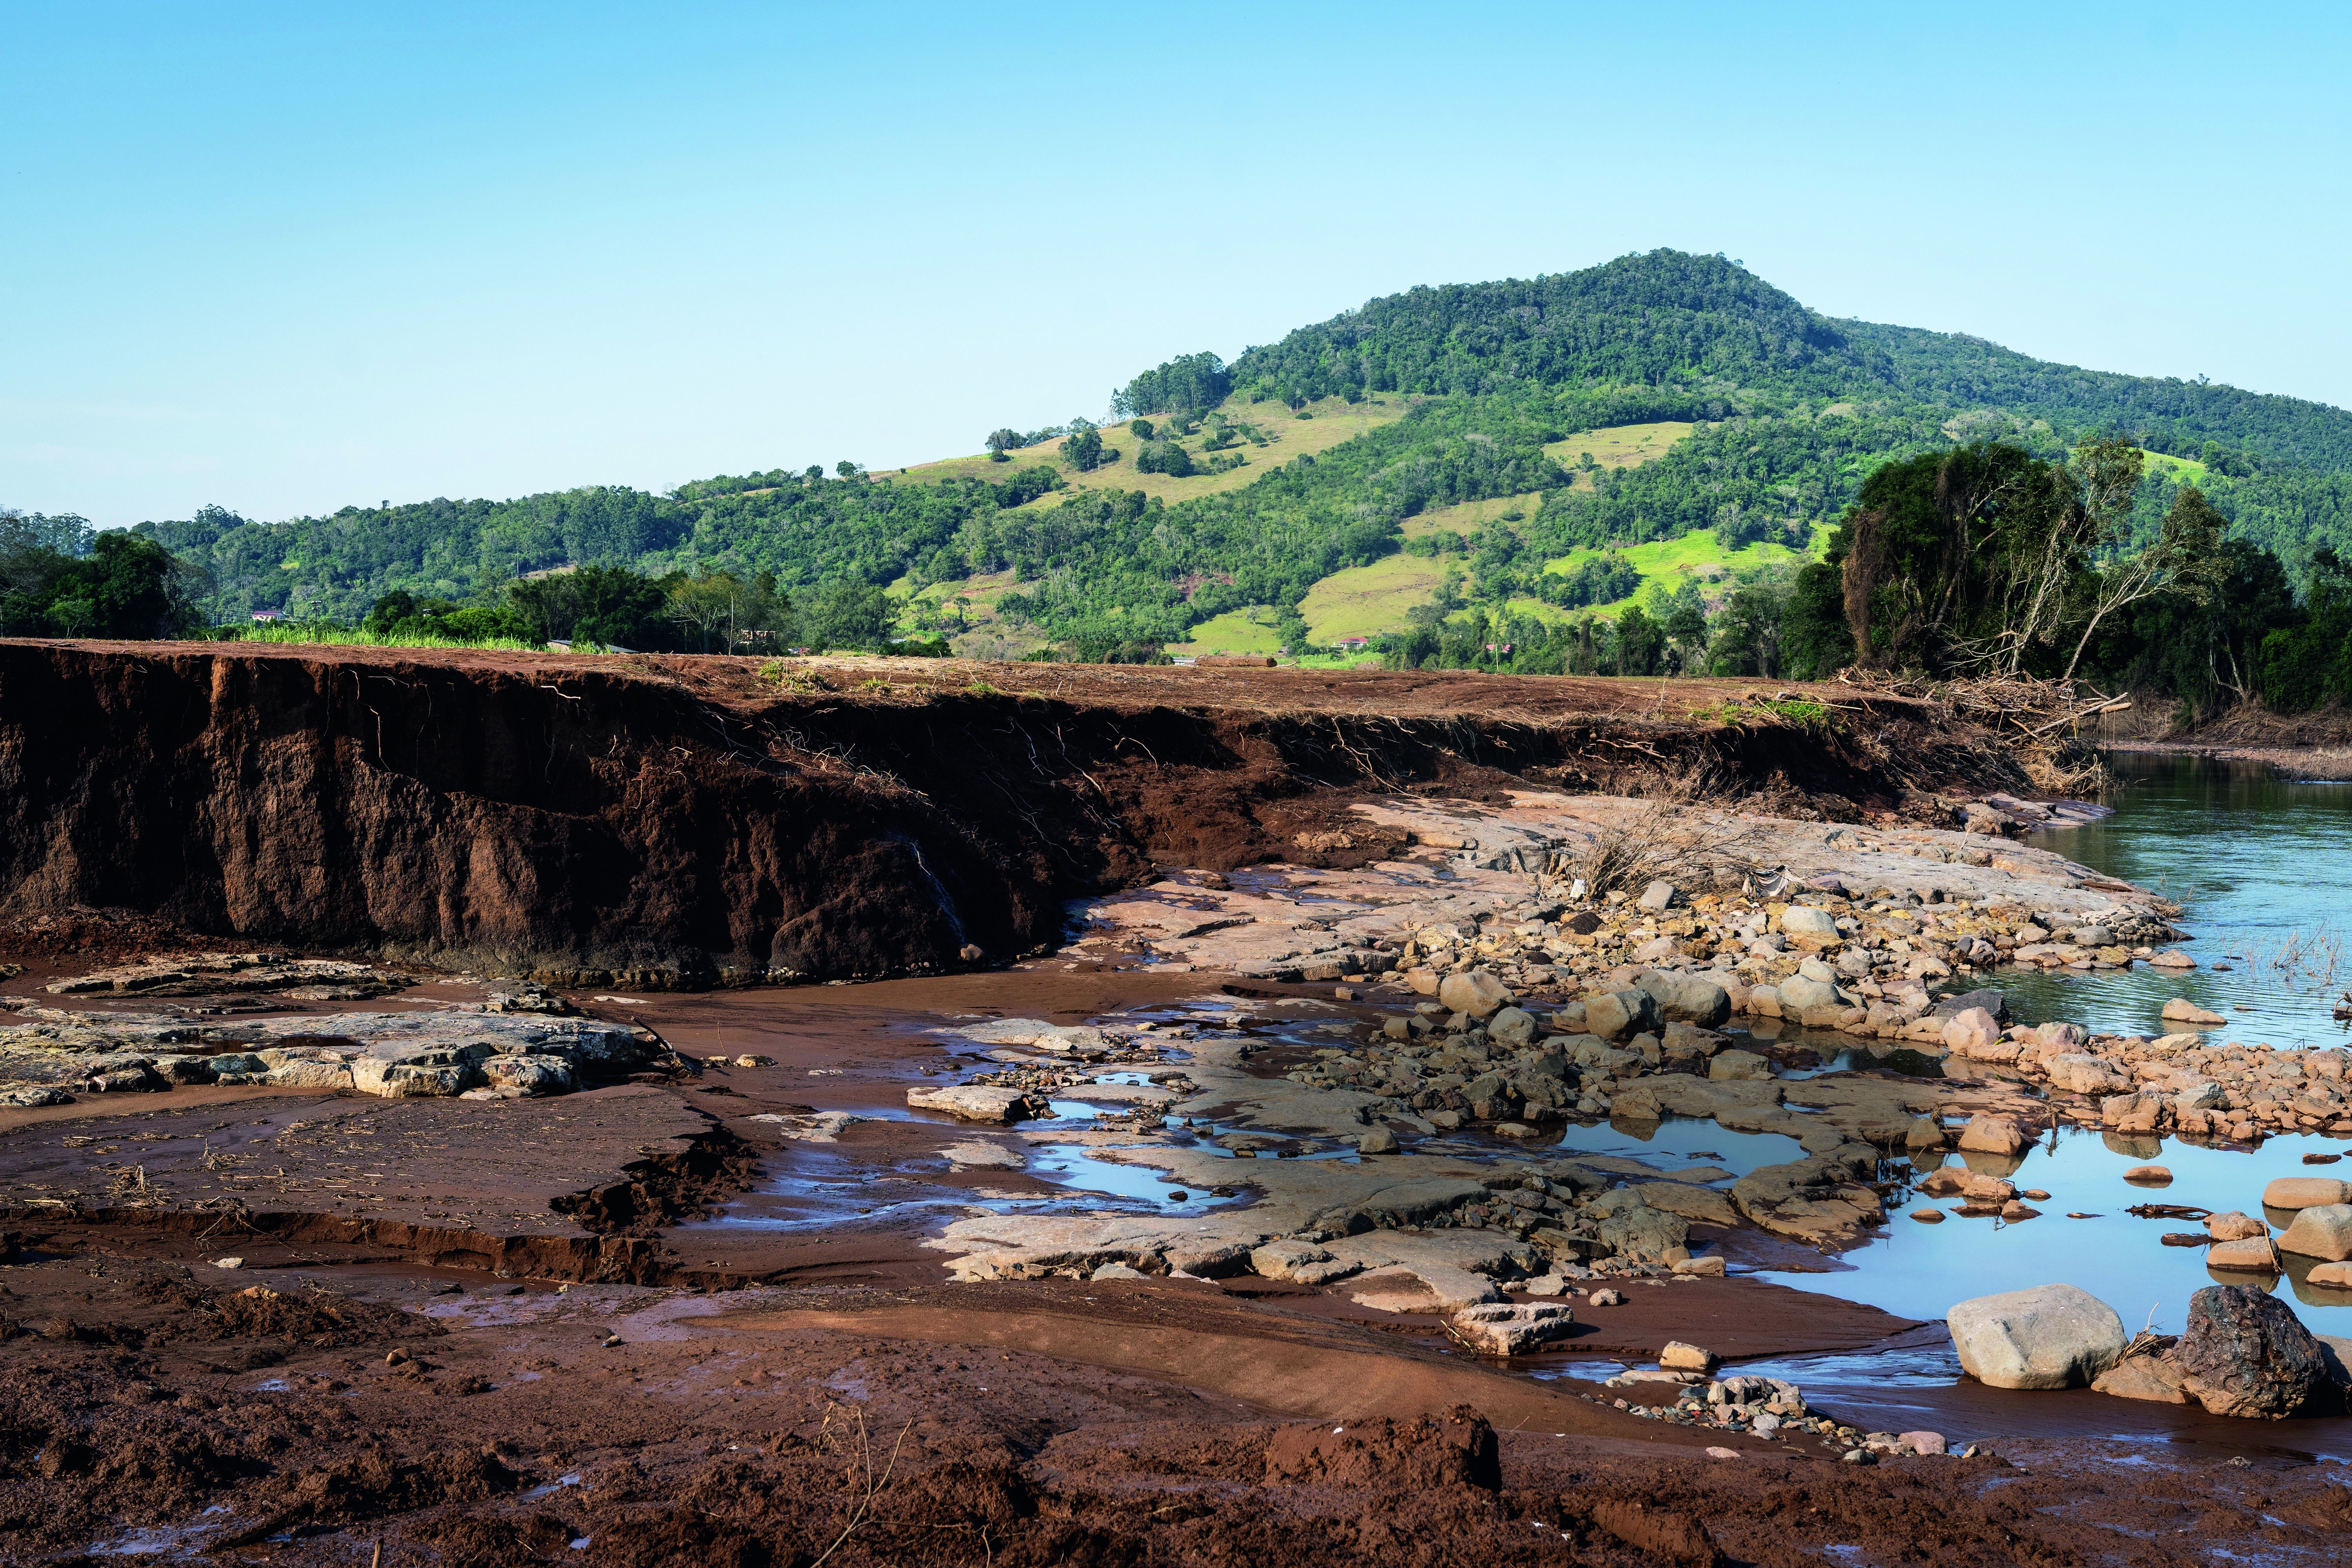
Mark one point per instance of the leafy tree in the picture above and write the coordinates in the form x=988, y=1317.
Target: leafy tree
x=845, y=615
x=1640, y=642
x=1001, y=443
x=1188, y=384
x=1083, y=450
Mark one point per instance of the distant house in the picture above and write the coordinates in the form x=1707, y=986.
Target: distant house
x=1353, y=643
x=264, y=617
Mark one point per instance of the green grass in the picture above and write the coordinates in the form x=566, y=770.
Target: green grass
x=1233, y=632
x=1469, y=517
x=353, y=637
x=1365, y=601
x=1618, y=446
x=2179, y=470
x=1663, y=561
x=1330, y=422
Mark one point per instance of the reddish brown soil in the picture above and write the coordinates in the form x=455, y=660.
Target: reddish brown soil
x=647, y=822
x=325, y=1428
x=382, y=1385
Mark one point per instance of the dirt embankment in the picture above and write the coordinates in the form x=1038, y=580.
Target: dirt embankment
x=686, y=821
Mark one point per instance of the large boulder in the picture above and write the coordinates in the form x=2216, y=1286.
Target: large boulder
x=1687, y=998
x=2245, y=1353
x=1806, y=922
x=974, y=1102
x=2324, y=1231
x=1990, y=1134
x=2052, y=1336
x=1970, y=1031
x=1630, y=1228
x=1475, y=992
x=2181, y=1010
x=2080, y=1072
x=1799, y=995
x=2306, y=1193
x=1613, y=1015
x=1512, y=1028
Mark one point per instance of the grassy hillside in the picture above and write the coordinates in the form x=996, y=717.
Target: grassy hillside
x=1719, y=413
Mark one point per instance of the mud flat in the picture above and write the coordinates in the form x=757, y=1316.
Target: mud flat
x=1351, y=1190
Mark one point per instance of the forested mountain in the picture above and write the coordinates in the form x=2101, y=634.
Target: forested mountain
x=1485, y=389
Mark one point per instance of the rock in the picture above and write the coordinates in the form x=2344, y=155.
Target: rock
x=975, y=1102
x=2251, y=1256
x=2012, y=1212
x=1804, y=921
x=2306, y=1193
x=1800, y=995
x=2079, y=1072
x=2150, y=1175
x=1708, y=1267
x=1513, y=1329
x=1925, y=1443
x=1680, y=1357
x=1656, y=897
x=1990, y=1134
x=2324, y=1231
x=2334, y=1276
x=1474, y=991
x=2173, y=958
x=2142, y=1377
x=2052, y=1336
x=1379, y=1141
x=1512, y=1028
x=529, y=1075
x=229, y=1262
x=1299, y=1262
x=1928, y=1216
x=1632, y=1229
x=1924, y=1133
x=2246, y=1355
x=2232, y=1225
x=1687, y=998
x=1970, y=1030
x=2181, y=1010
x=1738, y=1065
x=2203, y=1095
x=1218, y=1261
x=1613, y=1015
x=1117, y=1271
x=1606, y=1299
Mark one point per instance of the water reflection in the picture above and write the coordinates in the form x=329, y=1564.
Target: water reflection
x=1918, y=1270
x=2259, y=863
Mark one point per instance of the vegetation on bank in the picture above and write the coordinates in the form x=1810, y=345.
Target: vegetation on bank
x=1659, y=465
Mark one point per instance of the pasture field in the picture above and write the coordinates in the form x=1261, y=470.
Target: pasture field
x=1365, y=601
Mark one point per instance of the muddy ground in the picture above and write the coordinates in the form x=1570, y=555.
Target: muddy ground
x=697, y=1316
x=768, y=1374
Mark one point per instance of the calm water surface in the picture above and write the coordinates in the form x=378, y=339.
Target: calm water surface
x=2262, y=866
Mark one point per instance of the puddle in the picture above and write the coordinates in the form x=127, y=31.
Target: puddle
x=149, y=1540
x=548, y=1488
x=1918, y=1270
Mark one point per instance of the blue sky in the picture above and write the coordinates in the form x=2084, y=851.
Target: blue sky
x=288, y=257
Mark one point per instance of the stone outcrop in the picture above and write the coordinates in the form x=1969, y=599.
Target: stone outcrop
x=2052, y=1336
x=2245, y=1353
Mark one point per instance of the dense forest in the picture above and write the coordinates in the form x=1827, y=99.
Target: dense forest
x=1792, y=416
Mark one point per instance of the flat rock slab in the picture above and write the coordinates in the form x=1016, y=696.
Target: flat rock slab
x=450, y=1165
x=975, y=1102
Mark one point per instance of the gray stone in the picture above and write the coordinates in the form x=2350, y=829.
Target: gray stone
x=1512, y=1028
x=1687, y=998
x=1804, y=921
x=1379, y=1141
x=1801, y=995
x=974, y=1102
x=2324, y=1231
x=2052, y=1336
x=1502, y=1328
x=1656, y=897
x=529, y=1075
x=1738, y=1065
x=1614, y=1014
x=1474, y=991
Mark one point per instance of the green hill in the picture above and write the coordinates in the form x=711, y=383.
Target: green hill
x=1335, y=478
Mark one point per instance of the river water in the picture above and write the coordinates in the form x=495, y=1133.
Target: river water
x=2263, y=867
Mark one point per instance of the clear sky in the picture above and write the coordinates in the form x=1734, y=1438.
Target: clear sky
x=287, y=257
